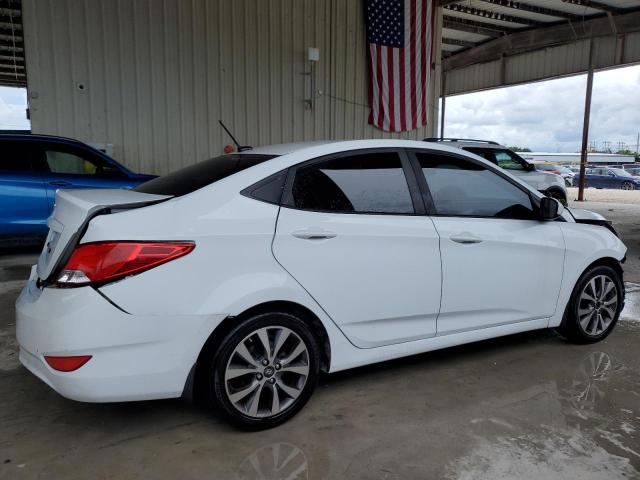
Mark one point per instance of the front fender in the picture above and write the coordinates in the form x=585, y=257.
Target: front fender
x=585, y=244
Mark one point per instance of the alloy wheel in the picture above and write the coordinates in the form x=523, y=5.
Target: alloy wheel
x=597, y=305
x=627, y=186
x=267, y=372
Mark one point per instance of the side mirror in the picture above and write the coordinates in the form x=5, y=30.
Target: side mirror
x=550, y=208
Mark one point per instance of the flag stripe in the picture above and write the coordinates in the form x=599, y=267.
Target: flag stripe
x=402, y=88
x=380, y=92
x=395, y=127
x=425, y=55
x=374, y=83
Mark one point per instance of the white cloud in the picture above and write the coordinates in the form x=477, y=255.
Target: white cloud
x=13, y=105
x=547, y=116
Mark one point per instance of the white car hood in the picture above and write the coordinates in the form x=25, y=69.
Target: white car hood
x=580, y=214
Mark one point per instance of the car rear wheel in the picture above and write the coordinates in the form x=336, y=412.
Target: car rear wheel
x=628, y=186
x=594, y=307
x=266, y=370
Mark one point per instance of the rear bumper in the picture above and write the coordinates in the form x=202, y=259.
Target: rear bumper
x=134, y=357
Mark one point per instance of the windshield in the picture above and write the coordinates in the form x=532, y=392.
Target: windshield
x=620, y=173
x=194, y=177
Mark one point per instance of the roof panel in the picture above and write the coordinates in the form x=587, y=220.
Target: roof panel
x=12, y=69
x=466, y=36
x=514, y=12
x=477, y=18
x=563, y=7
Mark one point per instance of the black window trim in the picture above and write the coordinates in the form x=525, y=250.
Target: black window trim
x=426, y=193
x=412, y=183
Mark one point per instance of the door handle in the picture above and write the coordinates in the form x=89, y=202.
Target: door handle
x=465, y=238
x=314, y=234
x=60, y=183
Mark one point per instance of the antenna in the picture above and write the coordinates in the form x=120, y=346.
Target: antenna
x=241, y=148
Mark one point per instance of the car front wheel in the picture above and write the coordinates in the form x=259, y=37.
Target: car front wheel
x=594, y=307
x=265, y=370
x=627, y=186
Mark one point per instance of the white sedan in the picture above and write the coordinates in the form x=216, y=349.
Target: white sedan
x=243, y=277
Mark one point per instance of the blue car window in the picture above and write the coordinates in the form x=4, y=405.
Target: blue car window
x=68, y=163
x=15, y=157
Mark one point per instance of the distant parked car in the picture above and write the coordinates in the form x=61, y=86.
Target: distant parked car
x=33, y=167
x=567, y=174
x=635, y=171
x=603, y=177
x=551, y=185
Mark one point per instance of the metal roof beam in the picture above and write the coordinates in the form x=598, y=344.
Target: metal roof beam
x=442, y=3
x=9, y=71
x=595, y=5
x=540, y=38
x=7, y=32
x=526, y=7
x=10, y=59
x=9, y=81
x=18, y=49
x=458, y=43
x=472, y=26
x=489, y=15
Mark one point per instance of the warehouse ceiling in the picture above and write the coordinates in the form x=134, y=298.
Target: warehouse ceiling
x=473, y=31
x=481, y=30
x=12, y=70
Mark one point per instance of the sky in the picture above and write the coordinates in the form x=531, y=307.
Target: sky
x=543, y=116
x=547, y=116
x=13, y=104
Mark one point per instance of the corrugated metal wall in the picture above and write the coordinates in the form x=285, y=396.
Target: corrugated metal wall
x=543, y=64
x=152, y=77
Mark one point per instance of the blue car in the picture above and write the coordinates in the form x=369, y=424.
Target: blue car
x=33, y=167
x=605, y=177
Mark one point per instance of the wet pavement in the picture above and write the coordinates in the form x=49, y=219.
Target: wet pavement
x=524, y=406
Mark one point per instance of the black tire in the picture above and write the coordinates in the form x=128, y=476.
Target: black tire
x=570, y=327
x=627, y=186
x=222, y=359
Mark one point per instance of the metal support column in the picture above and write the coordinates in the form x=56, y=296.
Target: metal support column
x=585, y=125
x=444, y=102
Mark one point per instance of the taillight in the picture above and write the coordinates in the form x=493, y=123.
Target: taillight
x=107, y=261
x=67, y=364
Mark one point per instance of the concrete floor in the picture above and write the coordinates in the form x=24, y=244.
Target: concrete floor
x=525, y=406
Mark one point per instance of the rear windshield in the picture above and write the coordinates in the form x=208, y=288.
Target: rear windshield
x=194, y=177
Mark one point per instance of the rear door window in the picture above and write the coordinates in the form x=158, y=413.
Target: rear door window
x=194, y=177
x=371, y=182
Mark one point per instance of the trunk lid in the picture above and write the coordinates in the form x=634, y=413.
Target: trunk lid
x=73, y=211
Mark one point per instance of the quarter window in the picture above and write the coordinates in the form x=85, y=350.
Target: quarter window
x=363, y=183
x=463, y=188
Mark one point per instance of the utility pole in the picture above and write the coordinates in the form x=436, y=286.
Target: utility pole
x=585, y=124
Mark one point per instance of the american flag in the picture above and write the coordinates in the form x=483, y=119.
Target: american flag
x=400, y=38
